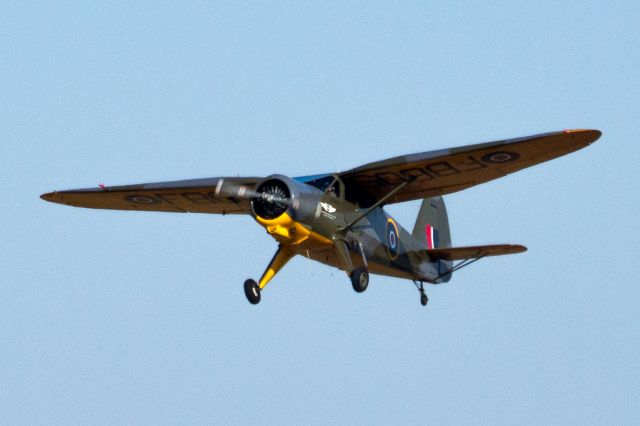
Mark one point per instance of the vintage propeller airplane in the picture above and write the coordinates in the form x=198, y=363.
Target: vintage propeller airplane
x=338, y=218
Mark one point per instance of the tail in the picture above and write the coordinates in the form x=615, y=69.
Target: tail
x=432, y=224
x=432, y=229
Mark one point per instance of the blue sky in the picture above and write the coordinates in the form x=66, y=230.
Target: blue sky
x=124, y=317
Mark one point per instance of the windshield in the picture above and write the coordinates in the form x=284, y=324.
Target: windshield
x=327, y=184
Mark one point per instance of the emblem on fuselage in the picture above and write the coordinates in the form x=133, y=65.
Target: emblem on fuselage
x=328, y=207
x=393, y=243
x=328, y=210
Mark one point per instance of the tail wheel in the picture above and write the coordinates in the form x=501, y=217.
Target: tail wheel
x=423, y=296
x=252, y=291
x=360, y=279
x=424, y=299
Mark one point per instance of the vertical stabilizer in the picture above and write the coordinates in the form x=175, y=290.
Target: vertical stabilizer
x=432, y=224
x=432, y=229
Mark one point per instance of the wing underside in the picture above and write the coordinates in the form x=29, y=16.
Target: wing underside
x=445, y=171
x=214, y=195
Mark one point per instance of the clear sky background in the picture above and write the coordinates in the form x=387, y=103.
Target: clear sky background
x=113, y=317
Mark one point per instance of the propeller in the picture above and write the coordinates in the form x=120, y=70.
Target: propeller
x=271, y=199
x=238, y=191
x=270, y=196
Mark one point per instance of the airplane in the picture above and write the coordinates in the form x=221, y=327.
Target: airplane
x=339, y=219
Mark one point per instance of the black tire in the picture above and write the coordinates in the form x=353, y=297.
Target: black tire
x=252, y=291
x=424, y=299
x=360, y=279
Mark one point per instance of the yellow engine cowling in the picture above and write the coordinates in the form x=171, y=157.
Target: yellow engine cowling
x=285, y=230
x=286, y=209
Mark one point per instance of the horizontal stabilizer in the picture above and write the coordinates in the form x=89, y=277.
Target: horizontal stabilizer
x=475, y=252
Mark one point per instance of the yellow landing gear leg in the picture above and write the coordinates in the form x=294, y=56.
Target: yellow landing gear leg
x=252, y=289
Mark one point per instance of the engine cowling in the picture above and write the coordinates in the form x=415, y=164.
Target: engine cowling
x=286, y=208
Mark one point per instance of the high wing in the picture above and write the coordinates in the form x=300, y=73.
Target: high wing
x=450, y=170
x=213, y=195
x=474, y=252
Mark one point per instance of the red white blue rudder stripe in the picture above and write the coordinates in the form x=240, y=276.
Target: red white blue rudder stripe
x=432, y=237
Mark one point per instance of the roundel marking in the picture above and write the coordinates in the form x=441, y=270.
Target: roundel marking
x=393, y=239
x=500, y=157
x=142, y=199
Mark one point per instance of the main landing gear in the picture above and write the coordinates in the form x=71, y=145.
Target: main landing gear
x=253, y=289
x=359, y=275
x=423, y=296
x=360, y=279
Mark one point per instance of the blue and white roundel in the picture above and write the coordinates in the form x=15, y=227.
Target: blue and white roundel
x=393, y=239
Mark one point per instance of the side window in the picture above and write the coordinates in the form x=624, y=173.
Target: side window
x=321, y=183
x=334, y=189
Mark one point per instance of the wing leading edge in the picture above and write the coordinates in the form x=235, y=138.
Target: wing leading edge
x=450, y=170
x=213, y=195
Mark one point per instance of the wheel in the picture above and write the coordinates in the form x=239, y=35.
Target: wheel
x=252, y=291
x=424, y=299
x=360, y=279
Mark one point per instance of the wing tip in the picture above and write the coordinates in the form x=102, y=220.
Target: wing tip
x=583, y=136
x=50, y=196
x=517, y=248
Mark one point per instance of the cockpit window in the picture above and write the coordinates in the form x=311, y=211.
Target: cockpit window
x=334, y=189
x=329, y=184
x=321, y=183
